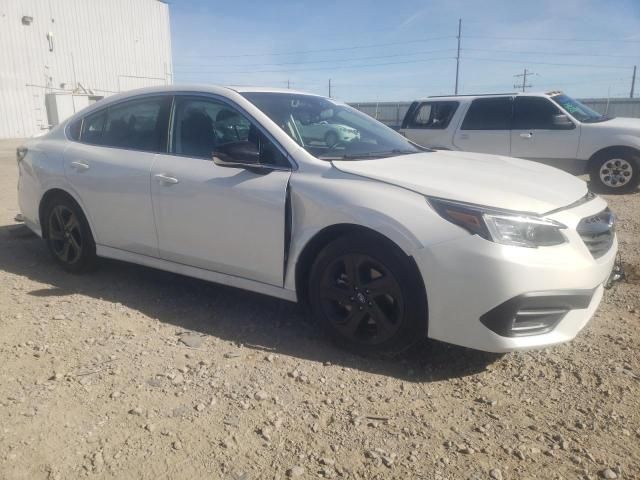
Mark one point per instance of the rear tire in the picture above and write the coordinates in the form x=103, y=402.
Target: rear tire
x=368, y=295
x=68, y=235
x=615, y=172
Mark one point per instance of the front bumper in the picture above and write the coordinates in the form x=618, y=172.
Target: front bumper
x=477, y=289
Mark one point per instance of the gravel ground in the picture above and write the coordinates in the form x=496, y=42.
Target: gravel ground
x=134, y=373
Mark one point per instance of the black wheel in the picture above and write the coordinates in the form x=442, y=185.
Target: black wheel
x=368, y=294
x=615, y=173
x=330, y=139
x=68, y=235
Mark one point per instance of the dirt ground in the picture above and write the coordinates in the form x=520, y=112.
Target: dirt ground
x=130, y=372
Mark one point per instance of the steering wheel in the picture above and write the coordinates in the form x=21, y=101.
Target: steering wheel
x=339, y=143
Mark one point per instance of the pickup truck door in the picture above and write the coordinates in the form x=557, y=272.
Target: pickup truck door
x=538, y=135
x=486, y=127
x=431, y=123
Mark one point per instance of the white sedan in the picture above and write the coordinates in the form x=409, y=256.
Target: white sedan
x=387, y=242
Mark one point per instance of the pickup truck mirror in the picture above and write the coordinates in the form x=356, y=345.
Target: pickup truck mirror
x=562, y=122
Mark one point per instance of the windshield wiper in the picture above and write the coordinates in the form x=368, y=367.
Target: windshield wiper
x=356, y=156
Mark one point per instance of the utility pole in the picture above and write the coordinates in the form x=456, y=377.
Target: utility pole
x=633, y=81
x=523, y=86
x=458, y=55
x=329, y=88
x=288, y=83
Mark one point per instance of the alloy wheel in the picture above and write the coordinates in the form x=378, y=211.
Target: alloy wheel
x=616, y=172
x=65, y=235
x=362, y=299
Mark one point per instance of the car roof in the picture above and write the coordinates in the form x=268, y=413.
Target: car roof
x=489, y=95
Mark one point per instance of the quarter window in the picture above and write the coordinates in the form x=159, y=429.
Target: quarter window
x=204, y=127
x=489, y=114
x=531, y=113
x=434, y=115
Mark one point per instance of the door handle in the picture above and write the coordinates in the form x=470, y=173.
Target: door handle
x=166, y=179
x=526, y=135
x=80, y=166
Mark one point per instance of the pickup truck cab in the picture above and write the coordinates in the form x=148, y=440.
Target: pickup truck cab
x=551, y=128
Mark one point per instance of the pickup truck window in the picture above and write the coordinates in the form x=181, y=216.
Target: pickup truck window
x=533, y=113
x=489, y=114
x=433, y=115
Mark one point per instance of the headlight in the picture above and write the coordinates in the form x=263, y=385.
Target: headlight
x=507, y=228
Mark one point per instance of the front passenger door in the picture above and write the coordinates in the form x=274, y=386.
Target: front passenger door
x=536, y=136
x=227, y=220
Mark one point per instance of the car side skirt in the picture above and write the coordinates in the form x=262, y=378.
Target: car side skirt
x=189, y=271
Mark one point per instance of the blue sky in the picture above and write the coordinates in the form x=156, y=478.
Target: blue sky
x=399, y=50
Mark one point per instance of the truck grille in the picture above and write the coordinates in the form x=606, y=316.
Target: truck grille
x=597, y=232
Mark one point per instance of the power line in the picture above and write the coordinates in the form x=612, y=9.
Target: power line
x=530, y=52
x=603, y=40
x=548, y=63
x=311, y=62
x=356, y=47
x=337, y=67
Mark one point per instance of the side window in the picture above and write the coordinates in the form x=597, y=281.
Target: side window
x=434, y=115
x=92, y=128
x=488, y=114
x=204, y=127
x=533, y=113
x=137, y=125
x=73, y=130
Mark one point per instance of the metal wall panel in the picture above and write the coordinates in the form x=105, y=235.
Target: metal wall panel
x=101, y=46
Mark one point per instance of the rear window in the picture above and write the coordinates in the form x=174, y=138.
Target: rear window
x=489, y=114
x=433, y=115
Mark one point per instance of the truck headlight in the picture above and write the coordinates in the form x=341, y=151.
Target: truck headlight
x=507, y=228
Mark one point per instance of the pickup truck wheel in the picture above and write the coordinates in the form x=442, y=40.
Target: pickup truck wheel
x=68, y=235
x=615, y=173
x=366, y=293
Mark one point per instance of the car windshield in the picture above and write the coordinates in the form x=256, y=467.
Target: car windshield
x=580, y=111
x=330, y=130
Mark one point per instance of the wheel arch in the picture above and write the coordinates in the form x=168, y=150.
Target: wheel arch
x=325, y=236
x=47, y=197
x=614, y=150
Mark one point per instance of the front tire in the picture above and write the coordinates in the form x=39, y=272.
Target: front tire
x=615, y=173
x=368, y=295
x=68, y=235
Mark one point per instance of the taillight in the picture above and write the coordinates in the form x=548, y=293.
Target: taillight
x=21, y=152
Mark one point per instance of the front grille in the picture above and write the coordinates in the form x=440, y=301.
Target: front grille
x=597, y=232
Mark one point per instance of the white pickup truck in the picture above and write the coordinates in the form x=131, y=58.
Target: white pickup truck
x=551, y=128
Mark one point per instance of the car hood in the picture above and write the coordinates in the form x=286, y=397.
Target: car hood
x=618, y=123
x=490, y=180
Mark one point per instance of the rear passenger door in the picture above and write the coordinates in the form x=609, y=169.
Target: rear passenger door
x=109, y=168
x=428, y=124
x=486, y=127
x=536, y=136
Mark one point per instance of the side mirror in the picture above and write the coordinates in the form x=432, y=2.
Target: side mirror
x=562, y=122
x=240, y=155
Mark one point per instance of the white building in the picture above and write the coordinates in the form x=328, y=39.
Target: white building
x=57, y=56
